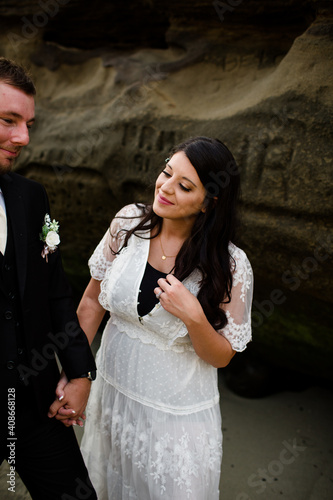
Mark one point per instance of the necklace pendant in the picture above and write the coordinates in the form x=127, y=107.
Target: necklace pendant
x=163, y=257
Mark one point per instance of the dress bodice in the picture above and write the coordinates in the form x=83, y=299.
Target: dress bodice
x=151, y=358
x=119, y=295
x=121, y=277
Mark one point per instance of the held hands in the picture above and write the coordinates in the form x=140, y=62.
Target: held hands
x=175, y=298
x=71, y=401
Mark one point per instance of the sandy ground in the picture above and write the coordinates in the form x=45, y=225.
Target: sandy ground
x=277, y=447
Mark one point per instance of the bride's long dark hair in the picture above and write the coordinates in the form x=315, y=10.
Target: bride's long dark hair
x=206, y=248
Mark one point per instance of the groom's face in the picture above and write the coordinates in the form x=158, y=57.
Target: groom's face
x=17, y=114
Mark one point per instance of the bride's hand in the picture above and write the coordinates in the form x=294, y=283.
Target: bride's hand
x=60, y=408
x=177, y=299
x=63, y=381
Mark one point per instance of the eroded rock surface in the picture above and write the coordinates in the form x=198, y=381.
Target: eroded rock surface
x=118, y=85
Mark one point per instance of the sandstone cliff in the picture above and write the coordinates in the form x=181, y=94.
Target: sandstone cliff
x=119, y=84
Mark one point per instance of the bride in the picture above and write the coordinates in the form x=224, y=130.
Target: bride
x=179, y=294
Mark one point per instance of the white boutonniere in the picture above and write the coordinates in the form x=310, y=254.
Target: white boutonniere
x=50, y=236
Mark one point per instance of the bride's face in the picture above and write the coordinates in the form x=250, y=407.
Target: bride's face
x=179, y=193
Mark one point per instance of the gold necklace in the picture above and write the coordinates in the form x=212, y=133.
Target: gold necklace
x=163, y=254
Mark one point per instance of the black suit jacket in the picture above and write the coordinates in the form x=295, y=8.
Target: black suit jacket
x=48, y=314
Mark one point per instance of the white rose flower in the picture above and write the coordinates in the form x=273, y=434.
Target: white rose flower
x=52, y=240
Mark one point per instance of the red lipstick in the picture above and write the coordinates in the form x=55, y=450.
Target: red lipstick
x=163, y=200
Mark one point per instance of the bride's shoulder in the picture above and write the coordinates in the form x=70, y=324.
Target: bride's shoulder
x=240, y=261
x=129, y=216
x=132, y=210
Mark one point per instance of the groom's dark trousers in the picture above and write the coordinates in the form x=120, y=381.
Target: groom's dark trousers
x=37, y=319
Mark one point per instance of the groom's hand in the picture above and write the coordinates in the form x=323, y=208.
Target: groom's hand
x=73, y=400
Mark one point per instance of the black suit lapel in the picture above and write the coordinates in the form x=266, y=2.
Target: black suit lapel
x=17, y=218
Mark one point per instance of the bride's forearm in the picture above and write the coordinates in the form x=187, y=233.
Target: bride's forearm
x=90, y=312
x=208, y=343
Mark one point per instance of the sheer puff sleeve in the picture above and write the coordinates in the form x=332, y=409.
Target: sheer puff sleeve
x=103, y=256
x=238, y=311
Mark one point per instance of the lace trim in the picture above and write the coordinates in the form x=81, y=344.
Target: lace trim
x=237, y=335
x=98, y=263
x=102, y=257
x=146, y=337
x=116, y=270
x=103, y=296
x=242, y=270
x=180, y=463
x=180, y=460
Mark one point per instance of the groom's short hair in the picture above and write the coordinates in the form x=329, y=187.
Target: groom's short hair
x=15, y=75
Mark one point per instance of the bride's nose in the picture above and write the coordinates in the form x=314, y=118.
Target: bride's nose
x=167, y=186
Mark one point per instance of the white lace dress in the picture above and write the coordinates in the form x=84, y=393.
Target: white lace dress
x=153, y=428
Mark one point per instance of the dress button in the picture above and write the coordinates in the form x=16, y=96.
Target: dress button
x=8, y=314
x=7, y=267
x=10, y=365
x=11, y=295
x=20, y=350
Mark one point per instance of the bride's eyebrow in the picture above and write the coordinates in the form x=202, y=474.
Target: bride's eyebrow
x=186, y=178
x=189, y=180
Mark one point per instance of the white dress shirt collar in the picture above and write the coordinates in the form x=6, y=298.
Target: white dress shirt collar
x=2, y=200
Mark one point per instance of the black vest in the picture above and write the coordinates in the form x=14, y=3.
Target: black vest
x=12, y=348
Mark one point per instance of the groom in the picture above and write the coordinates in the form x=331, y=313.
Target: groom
x=37, y=319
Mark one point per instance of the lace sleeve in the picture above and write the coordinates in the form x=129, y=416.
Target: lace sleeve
x=103, y=256
x=238, y=311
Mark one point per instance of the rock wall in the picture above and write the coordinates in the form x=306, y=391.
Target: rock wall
x=119, y=84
